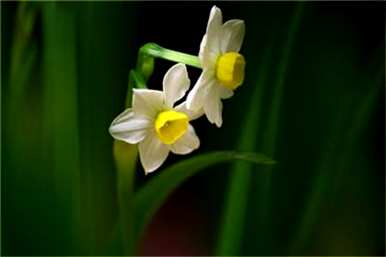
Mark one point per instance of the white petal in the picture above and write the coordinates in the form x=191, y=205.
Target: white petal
x=147, y=102
x=197, y=96
x=232, y=36
x=213, y=106
x=152, y=152
x=202, y=53
x=205, y=56
x=208, y=57
x=225, y=93
x=129, y=128
x=175, y=84
x=210, y=46
x=187, y=143
x=214, y=23
x=191, y=114
x=215, y=18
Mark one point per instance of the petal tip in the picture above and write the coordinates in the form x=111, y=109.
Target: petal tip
x=148, y=171
x=198, y=144
x=215, y=9
x=111, y=131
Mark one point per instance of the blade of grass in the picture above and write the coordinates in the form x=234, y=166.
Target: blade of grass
x=232, y=224
x=154, y=193
x=61, y=114
x=106, y=51
x=23, y=58
x=271, y=130
x=320, y=183
x=230, y=237
x=23, y=51
x=330, y=169
x=18, y=73
x=269, y=138
x=359, y=123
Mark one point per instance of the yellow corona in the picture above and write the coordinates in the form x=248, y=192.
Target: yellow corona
x=230, y=70
x=170, y=126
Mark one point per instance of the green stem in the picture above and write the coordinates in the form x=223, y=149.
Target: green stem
x=138, y=79
x=157, y=51
x=126, y=155
x=148, y=52
x=126, y=158
x=130, y=86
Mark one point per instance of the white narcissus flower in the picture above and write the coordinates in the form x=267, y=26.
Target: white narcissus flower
x=156, y=124
x=223, y=67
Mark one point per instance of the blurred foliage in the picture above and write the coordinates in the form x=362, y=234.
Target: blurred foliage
x=313, y=99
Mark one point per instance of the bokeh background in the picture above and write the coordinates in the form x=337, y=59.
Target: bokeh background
x=313, y=100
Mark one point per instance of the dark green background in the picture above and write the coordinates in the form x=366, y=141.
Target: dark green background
x=320, y=115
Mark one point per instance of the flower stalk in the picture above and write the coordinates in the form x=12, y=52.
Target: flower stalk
x=148, y=52
x=126, y=155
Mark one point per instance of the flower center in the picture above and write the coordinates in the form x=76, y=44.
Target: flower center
x=170, y=126
x=230, y=69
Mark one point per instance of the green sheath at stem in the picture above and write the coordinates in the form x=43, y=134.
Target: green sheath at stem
x=136, y=80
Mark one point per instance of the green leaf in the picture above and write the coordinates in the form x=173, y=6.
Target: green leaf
x=61, y=115
x=103, y=48
x=154, y=193
x=329, y=170
x=272, y=129
x=231, y=225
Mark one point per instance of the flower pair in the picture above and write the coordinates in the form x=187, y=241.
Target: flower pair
x=157, y=125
